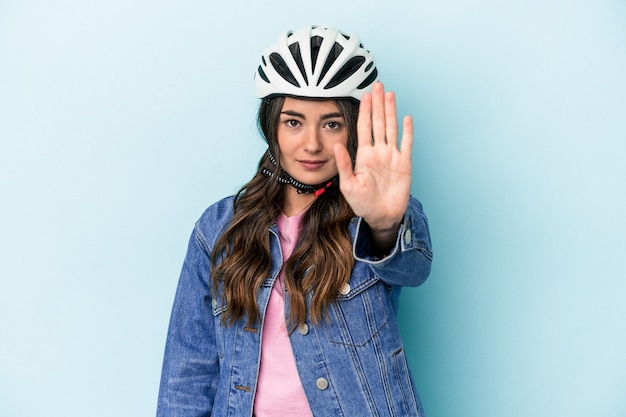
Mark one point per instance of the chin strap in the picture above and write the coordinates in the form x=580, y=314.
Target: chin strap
x=285, y=178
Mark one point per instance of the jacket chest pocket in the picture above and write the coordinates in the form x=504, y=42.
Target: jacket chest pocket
x=359, y=315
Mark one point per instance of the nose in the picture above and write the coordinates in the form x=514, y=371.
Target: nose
x=312, y=141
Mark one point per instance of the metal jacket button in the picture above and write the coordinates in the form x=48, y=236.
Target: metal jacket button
x=407, y=237
x=214, y=303
x=321, y=383
x=345, y=289
x=303, y=329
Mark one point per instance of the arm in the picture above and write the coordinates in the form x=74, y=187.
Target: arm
x=190, y=367
x=392, y=234
x=378, y=186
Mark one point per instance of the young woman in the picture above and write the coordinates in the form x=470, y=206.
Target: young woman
x=287, y=300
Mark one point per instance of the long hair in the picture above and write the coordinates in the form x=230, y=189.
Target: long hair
x=322, y=260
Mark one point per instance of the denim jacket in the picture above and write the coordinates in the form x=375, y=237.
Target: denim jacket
x=350, y=365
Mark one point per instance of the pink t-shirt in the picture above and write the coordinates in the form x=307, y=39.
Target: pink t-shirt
x=279, y=390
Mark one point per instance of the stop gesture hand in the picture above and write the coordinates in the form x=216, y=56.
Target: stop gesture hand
x=378, y=187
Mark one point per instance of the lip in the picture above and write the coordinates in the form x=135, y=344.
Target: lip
x=311, y=164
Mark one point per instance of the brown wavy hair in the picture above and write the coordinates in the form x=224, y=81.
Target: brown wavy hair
x=322, y=260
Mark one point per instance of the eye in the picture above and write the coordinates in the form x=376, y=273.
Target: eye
x=334, y=125
x=292, y=123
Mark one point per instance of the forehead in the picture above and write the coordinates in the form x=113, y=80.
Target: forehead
x=310, y=107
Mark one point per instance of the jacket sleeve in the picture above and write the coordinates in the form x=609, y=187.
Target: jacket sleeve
x=190, y=366
x=409, y=262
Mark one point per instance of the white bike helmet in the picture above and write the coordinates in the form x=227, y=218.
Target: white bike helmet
x=317, y=62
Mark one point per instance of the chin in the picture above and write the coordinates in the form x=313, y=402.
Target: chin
x=314, y=179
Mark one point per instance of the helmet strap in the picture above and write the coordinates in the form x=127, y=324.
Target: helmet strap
x=301, y=188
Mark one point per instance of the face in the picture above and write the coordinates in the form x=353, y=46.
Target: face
x=307, y=132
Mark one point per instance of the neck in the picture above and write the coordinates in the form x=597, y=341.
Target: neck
x=295, y=203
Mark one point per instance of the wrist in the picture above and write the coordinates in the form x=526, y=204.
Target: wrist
x=384, y=234
x=384, y=226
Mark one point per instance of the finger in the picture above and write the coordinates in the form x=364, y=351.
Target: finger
x=391, y=120
x=344, y=165
x=407, y=137
x=364, y=121
x=378, y=113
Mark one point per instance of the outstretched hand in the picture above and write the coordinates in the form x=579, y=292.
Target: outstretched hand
x=379, y=186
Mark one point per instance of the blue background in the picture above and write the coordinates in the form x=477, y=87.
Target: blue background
x=120, y=121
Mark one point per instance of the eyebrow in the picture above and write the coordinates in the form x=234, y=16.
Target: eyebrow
x=300, y=115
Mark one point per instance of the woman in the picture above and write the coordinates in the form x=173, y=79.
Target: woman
x=287, y=300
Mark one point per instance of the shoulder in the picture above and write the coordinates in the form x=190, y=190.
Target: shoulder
x=219, y=211
x=215, y=219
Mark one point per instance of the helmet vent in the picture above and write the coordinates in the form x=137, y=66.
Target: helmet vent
x=316, y=42
x=282, y=69
x=332, y=57
x=346, y=71
x=262, y=75
x=369, y=80
x=297, y=56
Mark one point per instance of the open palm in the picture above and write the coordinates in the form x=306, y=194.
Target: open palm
x=379, y=186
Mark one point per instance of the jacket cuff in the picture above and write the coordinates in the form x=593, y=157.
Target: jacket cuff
x=408, y=238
